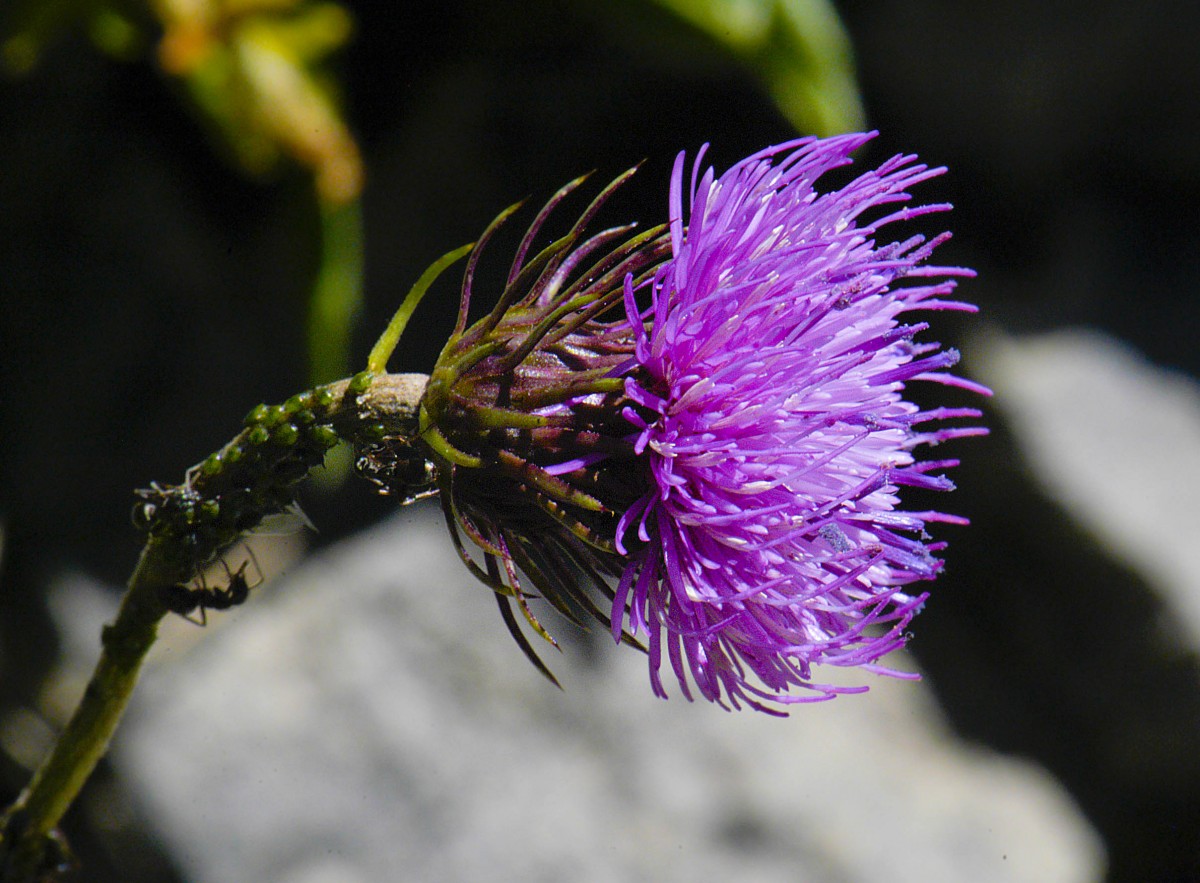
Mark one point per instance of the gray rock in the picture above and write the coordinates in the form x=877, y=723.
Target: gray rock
x=1115, y=439
x=367, y=718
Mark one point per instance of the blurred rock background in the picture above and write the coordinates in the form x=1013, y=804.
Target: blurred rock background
x=152, y=291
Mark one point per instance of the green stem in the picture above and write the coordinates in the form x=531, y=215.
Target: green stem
x=363, y=409
x=40, y=807
x=337, y=293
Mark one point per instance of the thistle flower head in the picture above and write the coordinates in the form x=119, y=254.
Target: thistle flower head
x=722, y=466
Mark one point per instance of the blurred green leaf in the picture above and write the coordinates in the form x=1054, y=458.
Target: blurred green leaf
x=797, y=47
x=27, y=27
x=254, y=69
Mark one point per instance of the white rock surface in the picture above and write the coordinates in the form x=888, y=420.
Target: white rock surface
x=367, y=718
x=1117, y=441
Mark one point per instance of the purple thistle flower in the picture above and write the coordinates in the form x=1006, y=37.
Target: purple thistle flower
x=766, y=396
x=722, y=468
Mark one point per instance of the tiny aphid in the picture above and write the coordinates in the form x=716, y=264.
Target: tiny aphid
x=184, y=598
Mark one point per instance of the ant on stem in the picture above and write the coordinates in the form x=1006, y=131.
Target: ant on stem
x=184, y=598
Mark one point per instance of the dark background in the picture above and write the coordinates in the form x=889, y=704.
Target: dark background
x=150, y=295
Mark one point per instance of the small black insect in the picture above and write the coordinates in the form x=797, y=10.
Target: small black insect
x=398, y=471
x=184, y=598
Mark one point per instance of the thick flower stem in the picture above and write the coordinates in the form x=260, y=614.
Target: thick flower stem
x=33, y=817
x=360, y=410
